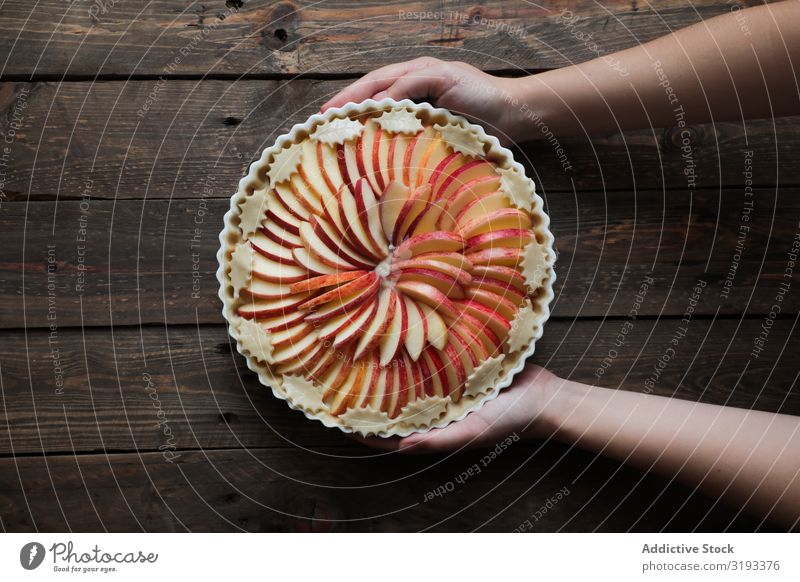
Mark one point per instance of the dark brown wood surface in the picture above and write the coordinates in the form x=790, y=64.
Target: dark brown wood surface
x=112, y=201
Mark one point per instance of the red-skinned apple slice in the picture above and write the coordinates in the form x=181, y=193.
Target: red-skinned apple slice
x=315, y=246
x=381, y=159
x=428, y=219
x=331, y=327
x=424, y=293
x=343, y=293
x=411, y=212
x=504, y=274
x=280, y=235
x=443, y=282
x=311, y=263
x=291, y=335
x=443, y=169
x=455, y=259
x=325, y=365
x=343, y=398
x=377, y=389
x=267, y=247
x=510, y=237
x=328, y=161
x=276, y=272
x=456, y=374
x=463, y=177
x=389, y=397
x=367, y=154
x=295, y=350
x=321, y=281
x=499, y=325
x=355, y=229
x=436, y=329
x=437, y=241
x=353, y=330
x=336, y=243
x=263, y=308
x=348, y=162
x=436, y=152
x=280, y=215
x=397, y=153
x=483, y=206
x=500, y=256
x=311, y=171
x=394, y=337
x=282, y=321
x=393, y=200
x=503, y=305
x=285, y=194
x=496, y=220
x=412, y=164
x=370, y=217
x=464, y=196
x=305, y=194
x=436, y=369
x=462, y=344
x=370, y=384
x=346, y=304
x=384, y=313
x=302, y=364
x=261, y=289
x=405, y=386
x=480, y=332
x=417, y=332
x=501, y=288
x=421, y=262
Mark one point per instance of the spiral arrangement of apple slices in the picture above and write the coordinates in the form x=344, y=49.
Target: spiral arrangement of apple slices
x=386, y=268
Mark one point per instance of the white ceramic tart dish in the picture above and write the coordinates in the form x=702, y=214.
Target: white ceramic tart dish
x=386, y=267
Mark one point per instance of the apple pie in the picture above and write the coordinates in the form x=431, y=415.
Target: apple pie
x=386, y=267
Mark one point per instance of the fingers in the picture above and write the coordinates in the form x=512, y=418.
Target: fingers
x=375, y=82
x=418, y=84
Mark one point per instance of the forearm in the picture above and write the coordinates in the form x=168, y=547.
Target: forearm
x=714, y=70
x=748, y=458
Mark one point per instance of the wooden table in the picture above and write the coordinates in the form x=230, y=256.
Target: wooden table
x=127, y=125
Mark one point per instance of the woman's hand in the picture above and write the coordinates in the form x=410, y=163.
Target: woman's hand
x=459, y=87
x=518, y=409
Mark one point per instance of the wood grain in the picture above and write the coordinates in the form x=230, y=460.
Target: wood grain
x=198, y=138
x=326, y=490
x=142, y=37
x=115, y=382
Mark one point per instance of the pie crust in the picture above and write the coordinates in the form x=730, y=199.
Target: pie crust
x=421, y=407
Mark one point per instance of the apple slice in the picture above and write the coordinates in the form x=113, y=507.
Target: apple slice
x=397, y=153
x=454, y=259
x=464, y=196
x=405, y=388
x=369, y=388
x=429, y=295
x=422, y=262
x=343, y=293
x=367, y=154
x=303, y=363
x=348, y=162
x=437, y=151
x=436, y=329
x=411, y=212
x=280, y=235
x=462, y=344
x=377, y=389
x=268, y=248
x=329, y=328
x=481, y=334
x=487, y=316
x=282, y=321
x=384, y=313
x=509, y=237
x=455, y=371
x=381, y=159
x=305, y=195
x=501, y=305
x=280, y=214
x=336, y=243
x=462, y=176
x=503, y=289
x=342, y=399
x=321, y=281
x=443, y=169
x=482, y=206
x=275, y=272
x=393, y=200
x=310, y=170
x=442, y=281
x=496, y=220
x=325, y=365
x=395, y=334
x=412, y=164
x=290, y=335
x=417, y=329
x=285, y=194
x=328, y=161
x=311, y=263
x=267, y=290
x=504, y=274
x=436, y=241
x=295, y=350
x=355, y=328
x=355, y=229
x=389, y=399
x=438, y=376
x=428, y=219
x=316, y=247
x=500, y=256
x=370, y=216
x=344, y=304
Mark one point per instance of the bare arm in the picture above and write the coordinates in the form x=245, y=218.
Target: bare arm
x=736, y=66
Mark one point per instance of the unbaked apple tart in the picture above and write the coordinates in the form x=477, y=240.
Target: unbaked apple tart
x=386, y=267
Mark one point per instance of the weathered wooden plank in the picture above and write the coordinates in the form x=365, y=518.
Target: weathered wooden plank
x=182, y=388
x=72, y=139
x=325, y=490
x=99, y=262
x=134, y=37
